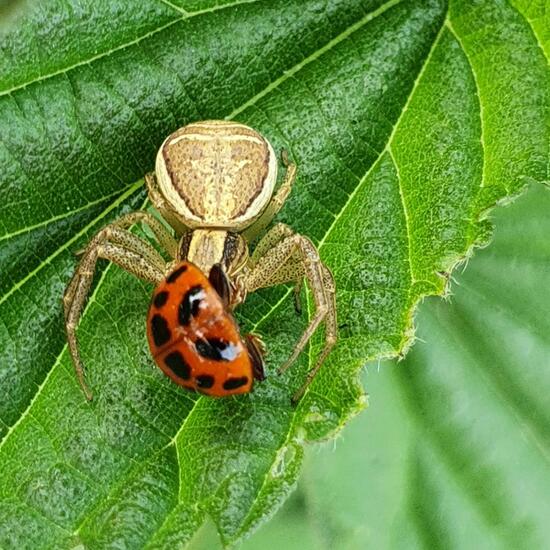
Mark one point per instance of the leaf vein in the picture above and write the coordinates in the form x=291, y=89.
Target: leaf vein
x=174, y=7
x=50, y=372
x=183, y=87
x=541, y=47
x=314, y=56
x=81, y=130
x=405, y=217
x=449, y=25
x=121, y=47
x=388, y=143
x=129, y=192
x=58, y=217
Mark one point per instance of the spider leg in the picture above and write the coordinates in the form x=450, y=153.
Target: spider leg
x=292, y=259
x=122, y=248
x=298, y=297
x=276, y=202
x=331, y=332
x=273, y=237
x=163, y=236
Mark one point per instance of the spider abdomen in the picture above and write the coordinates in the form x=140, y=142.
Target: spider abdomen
x=216, y=173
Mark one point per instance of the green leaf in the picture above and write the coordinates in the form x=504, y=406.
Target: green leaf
x=455, y=450
x=408, y=121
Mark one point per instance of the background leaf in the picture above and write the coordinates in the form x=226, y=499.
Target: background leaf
x=454, y=450
x=408, y=120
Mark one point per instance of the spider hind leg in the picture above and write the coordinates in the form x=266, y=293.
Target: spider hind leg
x=282, y=257
x=120, y=246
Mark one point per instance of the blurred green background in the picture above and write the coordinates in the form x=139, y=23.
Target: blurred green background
x=454, y=449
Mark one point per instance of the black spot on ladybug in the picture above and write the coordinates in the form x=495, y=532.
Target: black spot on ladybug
x=205, y=381
x=177, y=364
x=173, y=277
x=160, y=299
x=190, y=304
x=216, y=349
x=159, y=329
x=234, y=383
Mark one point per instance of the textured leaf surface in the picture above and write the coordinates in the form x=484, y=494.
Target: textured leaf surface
x=408, y=120
x=455, y=449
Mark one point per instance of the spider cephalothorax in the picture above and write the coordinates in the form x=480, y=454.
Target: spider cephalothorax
x=213, y=185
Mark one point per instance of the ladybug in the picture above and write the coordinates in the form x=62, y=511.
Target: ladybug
x=194, y=338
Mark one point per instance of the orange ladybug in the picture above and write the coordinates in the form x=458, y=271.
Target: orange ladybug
x=194, y=338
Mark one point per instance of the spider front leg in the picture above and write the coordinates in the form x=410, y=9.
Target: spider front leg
x=121, y=247
x=281, y=257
